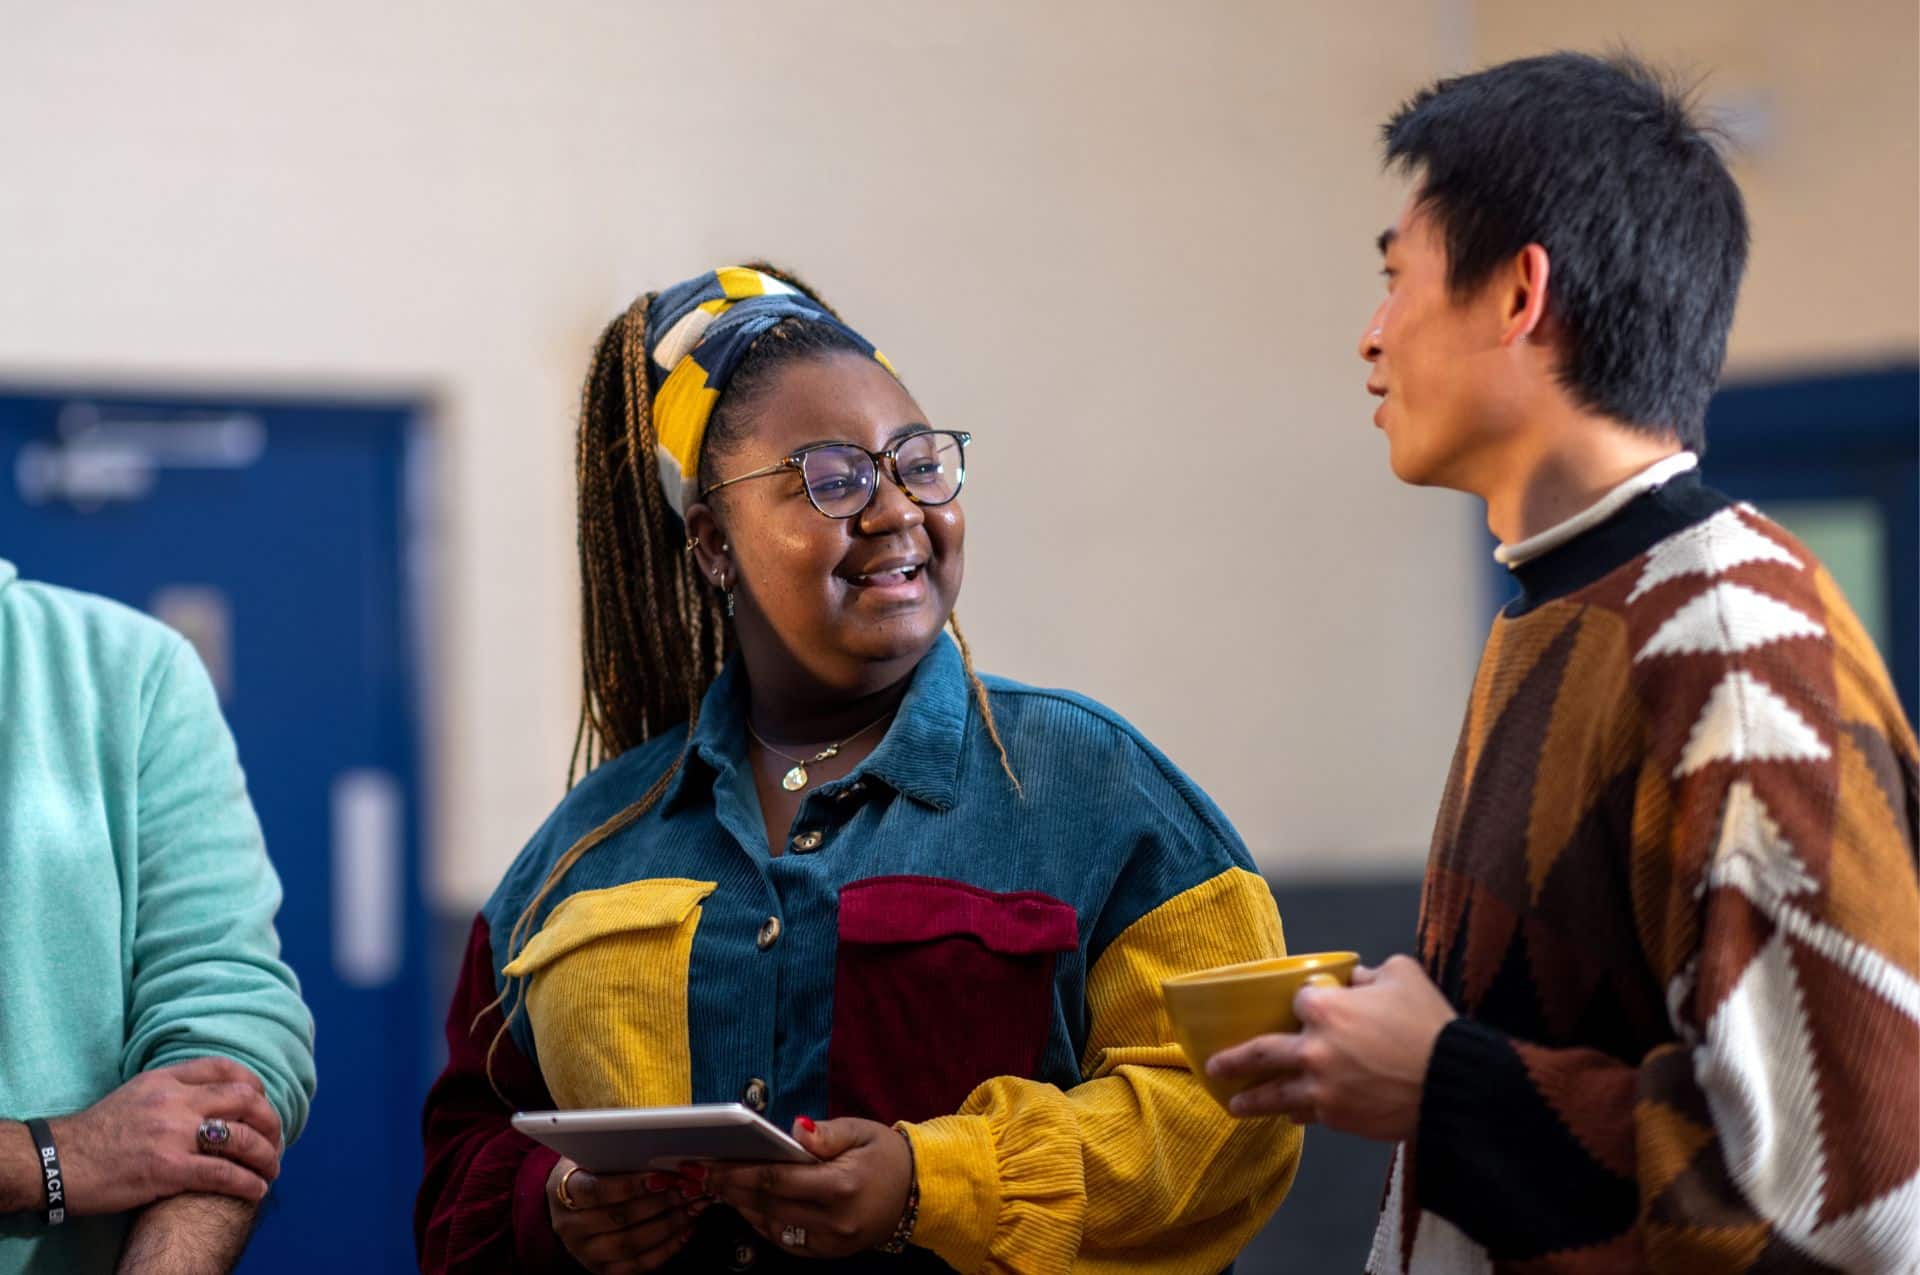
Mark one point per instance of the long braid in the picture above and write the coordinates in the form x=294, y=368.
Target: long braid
x=652, y=634
x=980, y=700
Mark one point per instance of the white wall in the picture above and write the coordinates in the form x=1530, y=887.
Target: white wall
x=1128, y=245
x=1826, y=103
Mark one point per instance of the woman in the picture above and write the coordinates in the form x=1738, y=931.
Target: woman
x=823, y=869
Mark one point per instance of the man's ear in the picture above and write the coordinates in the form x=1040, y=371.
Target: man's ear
x=712, y=554
x=1524, y=299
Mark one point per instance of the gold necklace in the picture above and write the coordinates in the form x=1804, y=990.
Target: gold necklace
x=796, y=779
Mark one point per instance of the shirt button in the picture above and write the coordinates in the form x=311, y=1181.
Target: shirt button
x=744, y=1255
x=769, y=933
x=808, y=841
x=755, y=1094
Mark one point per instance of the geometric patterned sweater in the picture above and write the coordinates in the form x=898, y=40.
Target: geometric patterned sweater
x=1672, y=895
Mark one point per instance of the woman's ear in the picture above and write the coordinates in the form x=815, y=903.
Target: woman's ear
x=712, y=555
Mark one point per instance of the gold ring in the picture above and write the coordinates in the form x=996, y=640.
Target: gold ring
x=560, y=1191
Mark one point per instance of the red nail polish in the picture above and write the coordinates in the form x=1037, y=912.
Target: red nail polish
x=806, y=1122
x=656, y=1182
x=698, y=1172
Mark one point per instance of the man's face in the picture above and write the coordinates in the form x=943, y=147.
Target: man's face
x=1437, y=362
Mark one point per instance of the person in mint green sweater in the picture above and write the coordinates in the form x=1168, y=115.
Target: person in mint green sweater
x=148, y=1029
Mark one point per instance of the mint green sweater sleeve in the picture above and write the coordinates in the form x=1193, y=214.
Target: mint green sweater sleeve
x=139, y=896
x=207, y=976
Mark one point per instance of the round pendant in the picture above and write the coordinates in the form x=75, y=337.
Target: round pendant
x=794, y=780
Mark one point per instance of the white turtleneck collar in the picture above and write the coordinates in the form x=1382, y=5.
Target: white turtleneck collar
x=1655, y=475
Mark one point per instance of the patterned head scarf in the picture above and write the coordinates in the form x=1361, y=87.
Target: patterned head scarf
x=697, y=334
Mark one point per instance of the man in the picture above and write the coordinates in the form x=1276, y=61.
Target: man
x=1664, y=1015
x=154, y=1051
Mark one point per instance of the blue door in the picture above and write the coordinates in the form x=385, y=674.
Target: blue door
x=275, y=535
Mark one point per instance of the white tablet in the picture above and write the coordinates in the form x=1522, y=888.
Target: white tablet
x=632, y=1139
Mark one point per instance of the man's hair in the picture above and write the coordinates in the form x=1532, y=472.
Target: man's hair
x=1602, y=162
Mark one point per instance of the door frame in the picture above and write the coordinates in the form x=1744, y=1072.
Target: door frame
x=1860, y=423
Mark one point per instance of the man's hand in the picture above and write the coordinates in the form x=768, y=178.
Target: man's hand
x=1359, y=1062
x=140, y=1143
x=850, y=1202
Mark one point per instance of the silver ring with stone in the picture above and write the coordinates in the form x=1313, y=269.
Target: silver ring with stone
x=793, y=1236
x=213, y=1136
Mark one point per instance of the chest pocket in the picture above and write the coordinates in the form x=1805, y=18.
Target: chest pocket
x=607, y=994
x=939, y=986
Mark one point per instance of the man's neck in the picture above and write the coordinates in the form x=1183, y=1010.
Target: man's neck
x=1562, y=468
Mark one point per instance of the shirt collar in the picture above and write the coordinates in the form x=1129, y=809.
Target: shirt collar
x=1607, y=506
x=918, y=757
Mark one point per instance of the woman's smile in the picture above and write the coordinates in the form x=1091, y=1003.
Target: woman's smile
x=897, y=579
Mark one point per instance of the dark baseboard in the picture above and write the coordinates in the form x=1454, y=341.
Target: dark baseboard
x=1326, y=1223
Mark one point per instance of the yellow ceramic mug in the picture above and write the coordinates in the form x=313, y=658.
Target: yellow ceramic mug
x=1218, y=1008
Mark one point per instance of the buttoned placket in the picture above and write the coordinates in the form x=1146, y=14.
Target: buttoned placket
x=800, y=889
x=805, y=881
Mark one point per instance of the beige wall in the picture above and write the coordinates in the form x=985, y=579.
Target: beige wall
x=1831, y=172
x=1127, y=245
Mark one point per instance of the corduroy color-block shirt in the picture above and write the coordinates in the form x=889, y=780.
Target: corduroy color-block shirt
x=932, y=949
x=1672, y=894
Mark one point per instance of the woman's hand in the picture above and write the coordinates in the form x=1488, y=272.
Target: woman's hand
x=622, y=1222
x=850, y=1202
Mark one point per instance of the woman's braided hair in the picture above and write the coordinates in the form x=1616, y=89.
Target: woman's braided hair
x=653, y=630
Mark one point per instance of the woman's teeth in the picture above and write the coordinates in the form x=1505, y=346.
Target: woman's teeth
x=883, y=578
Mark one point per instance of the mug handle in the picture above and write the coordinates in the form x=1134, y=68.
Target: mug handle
x=1322, y=980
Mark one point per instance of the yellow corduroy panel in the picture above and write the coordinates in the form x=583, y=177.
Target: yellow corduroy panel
x=1137, y=1169
x=607, y=994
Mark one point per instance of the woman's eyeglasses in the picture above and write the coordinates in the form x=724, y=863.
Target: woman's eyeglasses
x=841, y=478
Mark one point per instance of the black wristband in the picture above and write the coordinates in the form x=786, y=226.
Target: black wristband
x=50, y=1171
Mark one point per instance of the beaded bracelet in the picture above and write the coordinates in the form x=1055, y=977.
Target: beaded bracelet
x=903, y=1233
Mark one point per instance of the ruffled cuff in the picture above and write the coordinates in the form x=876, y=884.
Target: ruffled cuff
x=991, y=1188
x=959, y=1177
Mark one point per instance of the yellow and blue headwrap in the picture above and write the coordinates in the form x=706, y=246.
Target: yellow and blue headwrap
x=697, y=334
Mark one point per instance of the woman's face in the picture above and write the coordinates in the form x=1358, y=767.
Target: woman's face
x=847, y=605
